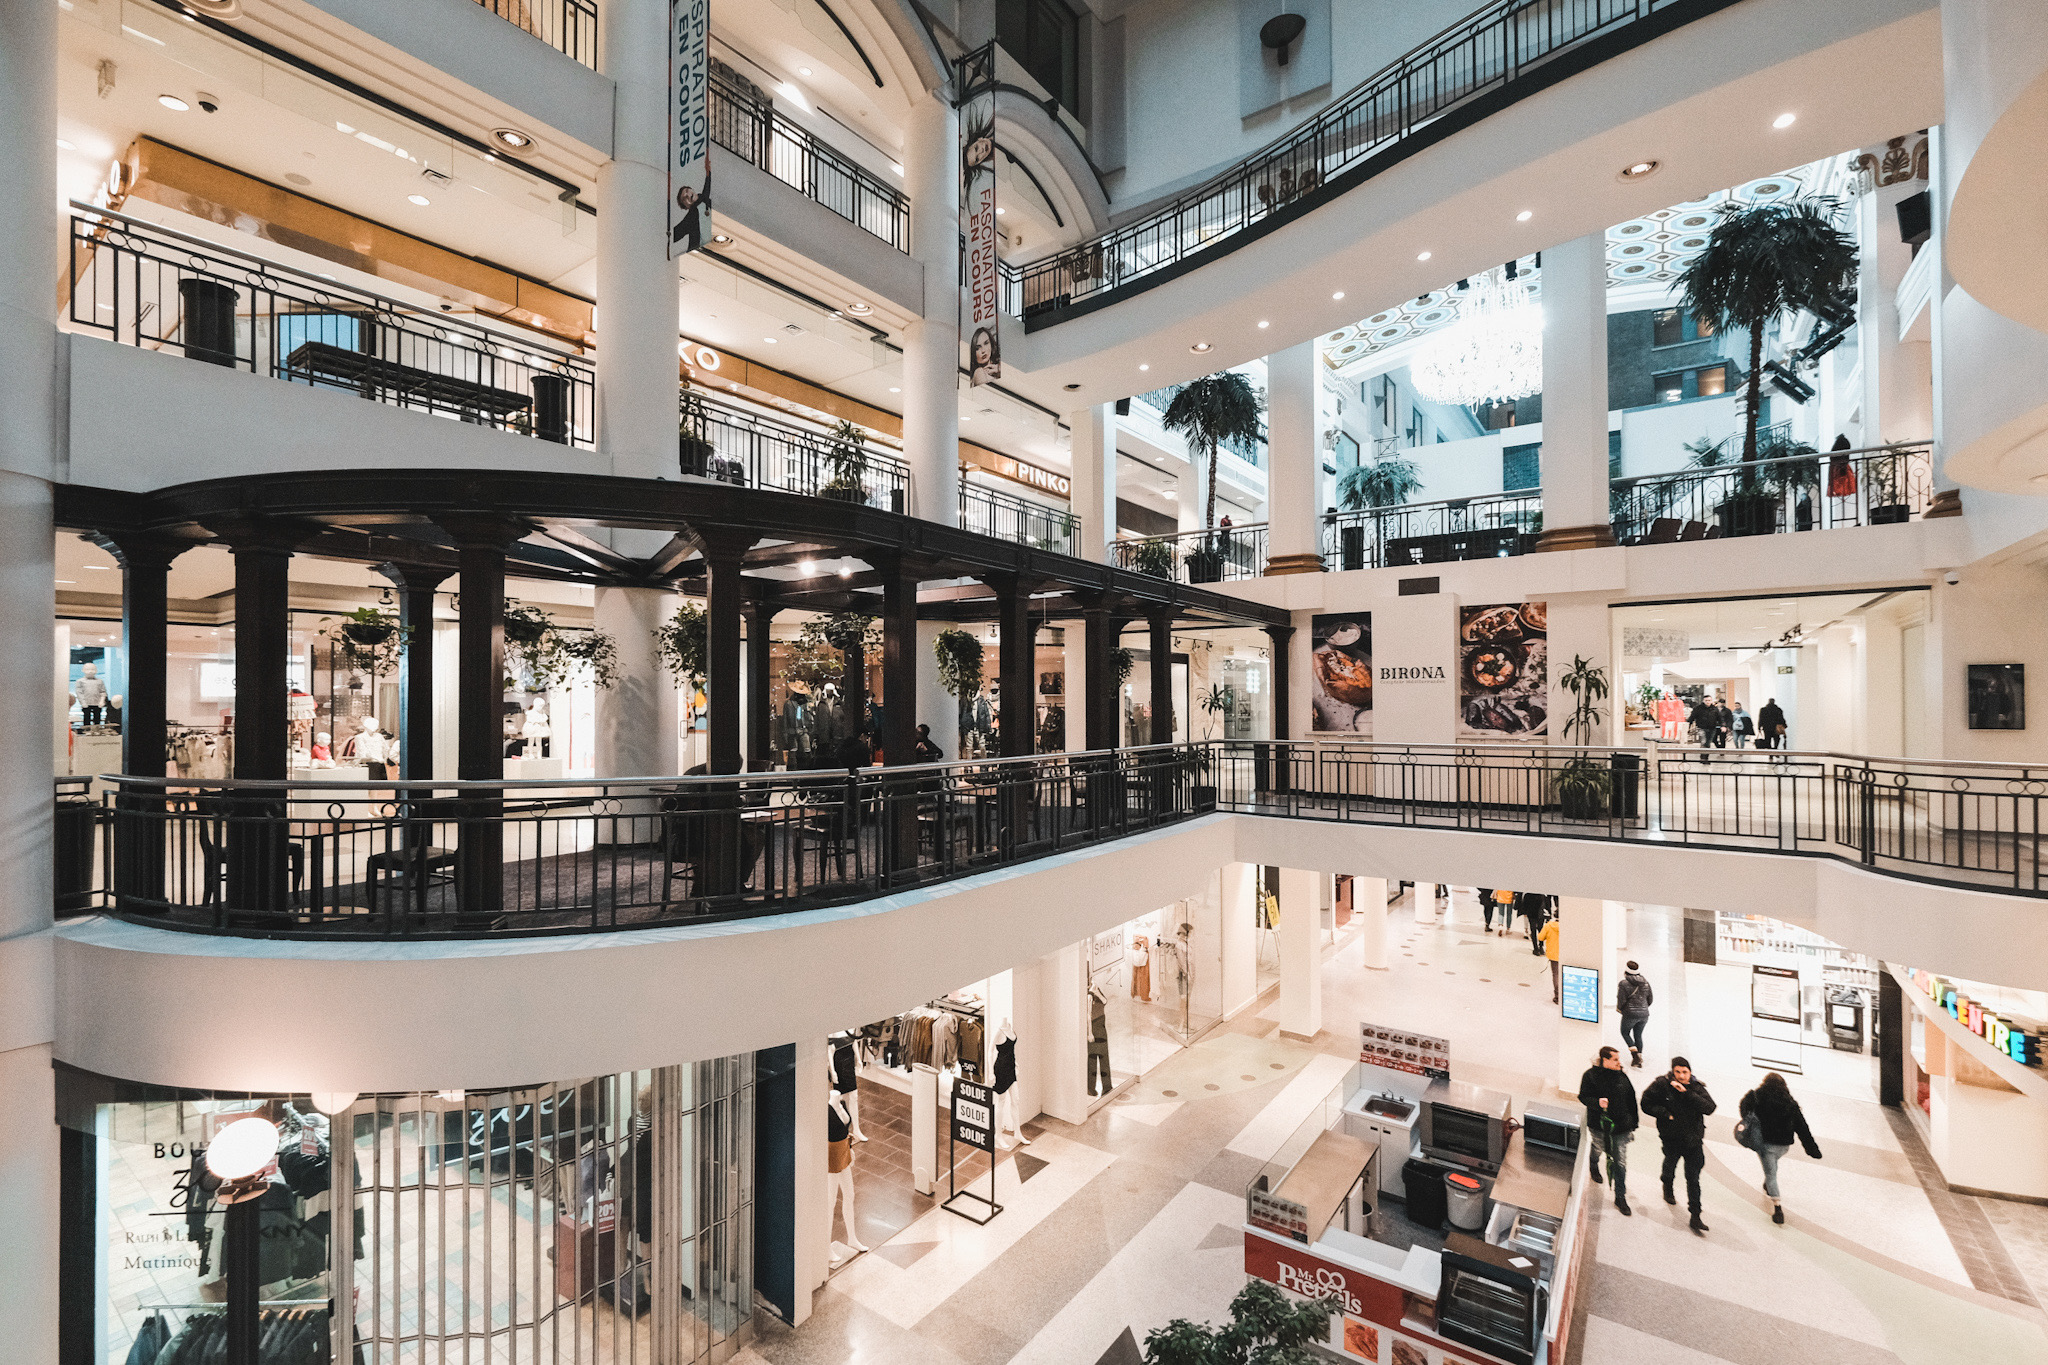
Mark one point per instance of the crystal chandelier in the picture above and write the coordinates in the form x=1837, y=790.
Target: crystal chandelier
x=1491, y=354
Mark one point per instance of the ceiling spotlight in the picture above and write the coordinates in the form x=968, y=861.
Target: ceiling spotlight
x=1263, y=324
x=893, y=389
x=1524, y=216
x=721, y=239
x=846, y=571
x=859, y=309
x=769, y=340
x=1639, y=170
x=1144, y=367
x=511, y=139
x=807, y=567
x=1784, y=120
x=1071, y=387
x=173, y=103
x=67, y=146
x=1201, y=347
x=419, y=199
x=1338, y=295
x=1000, y=210
x=803, y=71
x=1422, y=256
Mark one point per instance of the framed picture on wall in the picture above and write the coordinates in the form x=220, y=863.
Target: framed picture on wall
x=1998, y=696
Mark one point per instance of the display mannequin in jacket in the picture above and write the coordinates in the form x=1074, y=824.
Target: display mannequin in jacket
x=1611, y=1120
x=1679, y=1101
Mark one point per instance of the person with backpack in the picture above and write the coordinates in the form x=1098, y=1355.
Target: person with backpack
x=1632, y=1000
x=1611, y=1120
x=1534, y=908
x=1771, y=1121
x=1679, y=1101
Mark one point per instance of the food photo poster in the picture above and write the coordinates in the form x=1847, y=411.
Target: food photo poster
x=1341, y=669
x=1503, y=673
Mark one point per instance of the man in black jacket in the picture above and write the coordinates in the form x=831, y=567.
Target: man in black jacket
x=1611, y=1120
x=1770, y=726
x=1679, y=1102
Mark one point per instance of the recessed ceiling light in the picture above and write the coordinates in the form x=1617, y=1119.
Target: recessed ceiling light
x=1422, y=256
x=1639, y=170
x=419, y=199
x=803, y=71
x=173, y=103
x=1338, y=295
x=1784, y=120
x=1071, y=387
x=859, y=309
x=99, y=568
x=896, y=166
x=769, y=340
x=1200, y=347
x=511, y=139
x=895, y=390
x=67, y=146
x=1000, y=210
x=807, y=567
x=721, y=239
x=1524, y=216
x=295, y=178
x=846, y=570
x=1263, y=324
x=1144, y=367
x=68, y=580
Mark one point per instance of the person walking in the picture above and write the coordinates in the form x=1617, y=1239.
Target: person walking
x=1679, y=1101
x=1632, y=1000
x=1724, y=721
x=1611, y=1121
x=1770, y=724
x=1771, y=1121
x=1745, y=726
x=1548, y=936
x=1486, y=906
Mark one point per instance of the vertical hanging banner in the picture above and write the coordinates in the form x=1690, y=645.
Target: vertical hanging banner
x=978, y=206
x=689, y=131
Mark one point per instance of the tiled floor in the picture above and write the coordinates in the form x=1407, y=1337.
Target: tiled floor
x=1133, y=1218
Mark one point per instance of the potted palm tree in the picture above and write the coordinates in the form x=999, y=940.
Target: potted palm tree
x=1585, y=787
x=1211, y=411
x=1760, y=262
x=1388, y=481
x=847, y=459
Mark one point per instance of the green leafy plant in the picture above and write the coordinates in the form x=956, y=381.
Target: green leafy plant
x=542, y=655
x=959, y=657
x=1218, y=700
x=594, y=650
x=1388, y=481
x=1584, y=783
x=369, y=639
x=683, y=641
x=1763, y=261
x=1647, y=697
x=1154, y=557
x=1210, y=411
x=818, y=655
x=847, y=460
x=1265, y=1328
x=1121, y=662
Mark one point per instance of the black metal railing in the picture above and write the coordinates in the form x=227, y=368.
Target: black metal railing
x=1876, y=486
x=1487, y=52
x=567, y=26
x=402, y=860
x=1218, y=556
x=1493, y=526
x=142, y=285
x=1008, y=517
x=732, y=444
x=751, y=128
x=469, y=859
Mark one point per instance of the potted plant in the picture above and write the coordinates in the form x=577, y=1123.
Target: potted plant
x=693, y=451
x=1214, y=410
x=1154, y=557
x=959, y=657
x=1887, y=501
x=847, y=460
x=370, y=639
x=1585, y=787
x=540, y=652
x=683, y=643
x=594, y=650
x=1121, y=662
x=1388, y=481
x=1205, y=561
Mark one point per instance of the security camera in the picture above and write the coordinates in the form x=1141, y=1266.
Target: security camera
x=209, y=103
x=1952, y=578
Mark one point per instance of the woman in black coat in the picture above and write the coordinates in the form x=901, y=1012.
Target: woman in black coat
x=1778, y=1121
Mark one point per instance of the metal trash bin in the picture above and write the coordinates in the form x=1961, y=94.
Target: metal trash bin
x=1465, y=1201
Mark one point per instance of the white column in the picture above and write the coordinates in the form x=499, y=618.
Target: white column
x=1191, y=494
x=638, y=721
x=1063, y=1035
x=931, y=345
x=1301, y=954
x=1293, y=459
x=1585, y=938
x=1369, y=908
x=636, y=281
x=1575, y=513
x=1076, y=701
x=30, y=456
x=936, y=706
x=812, y=1233
x=1239, y=928
x=1093, y=493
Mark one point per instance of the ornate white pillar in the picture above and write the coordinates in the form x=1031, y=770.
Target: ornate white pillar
x=931, y=345
x=1575, y=502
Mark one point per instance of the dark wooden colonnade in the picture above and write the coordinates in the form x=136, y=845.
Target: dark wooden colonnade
x=737, y=548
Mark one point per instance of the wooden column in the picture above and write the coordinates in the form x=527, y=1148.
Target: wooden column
x=760, y=665
x=1160, y=622
x=145, y=561
x=480, y=545
x=724, y=553
x=1101, y=627
x=899, y=663
x=1281, y=771
x=416, y=586
x=1016, y=665
x=262, y=649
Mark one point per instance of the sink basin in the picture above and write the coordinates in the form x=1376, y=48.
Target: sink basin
x=1389, y=1109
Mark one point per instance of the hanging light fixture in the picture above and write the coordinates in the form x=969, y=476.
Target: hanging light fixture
x=1491, y=354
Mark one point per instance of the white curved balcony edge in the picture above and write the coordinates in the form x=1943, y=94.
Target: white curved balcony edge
x=201, y=1010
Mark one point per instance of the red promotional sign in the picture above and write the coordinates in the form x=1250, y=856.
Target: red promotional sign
x=1354, y=1294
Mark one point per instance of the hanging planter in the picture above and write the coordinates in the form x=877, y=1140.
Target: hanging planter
x=545, y=656
x=369, y=639
x=1121, y=662
x=959, y=657
x=683, y=642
